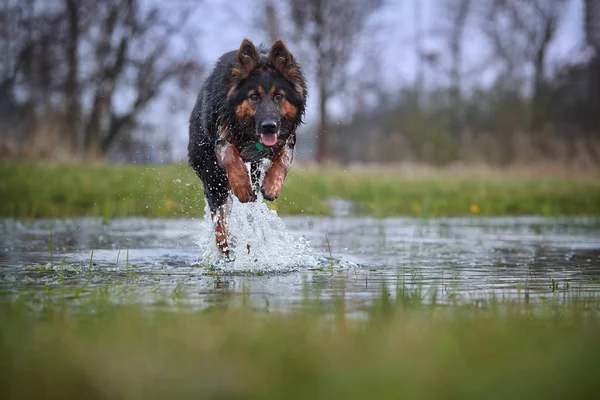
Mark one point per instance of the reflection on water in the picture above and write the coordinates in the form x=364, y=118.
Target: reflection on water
x=152, y=261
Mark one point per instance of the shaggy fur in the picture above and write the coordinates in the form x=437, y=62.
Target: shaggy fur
x=247, y=112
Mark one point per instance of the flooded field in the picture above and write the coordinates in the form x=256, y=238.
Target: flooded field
x=168, y=262
x=363, y=308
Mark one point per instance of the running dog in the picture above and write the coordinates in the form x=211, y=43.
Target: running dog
x=247, y=112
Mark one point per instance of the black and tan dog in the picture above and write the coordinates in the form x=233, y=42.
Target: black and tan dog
x=247, y=112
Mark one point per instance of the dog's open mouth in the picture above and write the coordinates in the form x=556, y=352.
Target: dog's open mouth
x=268, y=139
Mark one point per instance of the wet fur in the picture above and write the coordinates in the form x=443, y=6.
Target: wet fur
x=225, y=125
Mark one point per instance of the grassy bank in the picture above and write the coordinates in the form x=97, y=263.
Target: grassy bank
x=399, y=351
x=33, y=190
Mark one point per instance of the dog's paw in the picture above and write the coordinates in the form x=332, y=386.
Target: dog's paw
x=269, y=195
x=239, y=182
x=272, y=187
x=244, y=193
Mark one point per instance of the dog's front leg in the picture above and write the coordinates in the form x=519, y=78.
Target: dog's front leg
x=276, y=174
x=237, y=175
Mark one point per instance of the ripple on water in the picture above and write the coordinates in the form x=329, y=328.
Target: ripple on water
x=288, y=260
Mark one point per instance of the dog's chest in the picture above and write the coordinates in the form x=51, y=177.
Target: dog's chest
x=255, y=151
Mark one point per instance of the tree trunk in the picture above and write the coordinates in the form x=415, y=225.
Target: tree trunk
x=272, y=22
x=92, y=129
x=539, y=100
x=73, y=115
x=419, y=56
x=322, y=136
x=117, y=125
x=456, y=41
x=592, y=23
x=103, y=101
x=100, y=108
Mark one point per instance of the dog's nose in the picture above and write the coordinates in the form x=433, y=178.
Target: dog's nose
x=269, y=127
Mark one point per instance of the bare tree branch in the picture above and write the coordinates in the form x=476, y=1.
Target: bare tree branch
x=327, y=30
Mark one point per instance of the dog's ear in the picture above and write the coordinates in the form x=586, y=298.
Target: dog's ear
x=280, y=57
x=248, y=58
x=282, y=60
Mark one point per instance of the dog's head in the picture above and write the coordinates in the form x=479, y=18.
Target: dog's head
x=267, y=91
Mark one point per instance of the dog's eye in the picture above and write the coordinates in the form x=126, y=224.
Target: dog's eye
x=254, y=97
x=278, y=97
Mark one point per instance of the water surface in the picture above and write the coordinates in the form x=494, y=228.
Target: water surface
x=164, y=261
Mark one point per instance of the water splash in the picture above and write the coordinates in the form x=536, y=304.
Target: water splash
x=259, y=241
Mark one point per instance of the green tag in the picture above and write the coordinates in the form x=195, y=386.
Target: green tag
x=259, y=146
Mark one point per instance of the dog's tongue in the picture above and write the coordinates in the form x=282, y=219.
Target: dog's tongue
x=268, y=139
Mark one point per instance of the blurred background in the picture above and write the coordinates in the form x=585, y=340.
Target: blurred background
x=432, y=81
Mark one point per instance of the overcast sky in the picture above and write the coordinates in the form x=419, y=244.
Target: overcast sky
x=220, y=25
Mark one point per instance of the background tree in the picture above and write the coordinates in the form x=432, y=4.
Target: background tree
x=133, y=52
x=519, y=33
x=457, y=12
x=270, y=20
x=327, y=30
x=92, y=67
x=98, y=75
x=592, y=23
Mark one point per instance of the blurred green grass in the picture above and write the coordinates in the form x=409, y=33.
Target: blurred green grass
x=400, y=349
x=34, y=190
